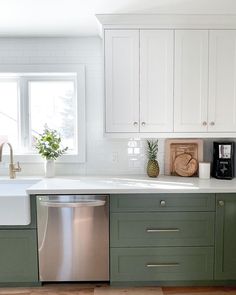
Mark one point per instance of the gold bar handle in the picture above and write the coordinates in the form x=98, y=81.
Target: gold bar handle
x=161, y=264
x=162, y=230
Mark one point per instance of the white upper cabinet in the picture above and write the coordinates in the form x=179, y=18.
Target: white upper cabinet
x=191, y=81
x=222, y=81
x=139, y=80
x=173, y=82
x=156, y=80
x=122, y=80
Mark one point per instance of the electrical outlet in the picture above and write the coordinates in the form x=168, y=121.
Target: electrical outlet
x=115, y=157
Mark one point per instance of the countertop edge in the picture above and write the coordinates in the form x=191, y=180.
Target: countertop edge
x=130, y=185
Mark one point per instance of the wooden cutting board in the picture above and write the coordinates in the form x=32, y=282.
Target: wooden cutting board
x=177, y=147
x=185, y=165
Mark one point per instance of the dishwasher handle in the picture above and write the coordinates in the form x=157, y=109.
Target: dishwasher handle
x=81, y=203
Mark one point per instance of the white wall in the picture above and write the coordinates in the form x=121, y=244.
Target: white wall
x=104, y=156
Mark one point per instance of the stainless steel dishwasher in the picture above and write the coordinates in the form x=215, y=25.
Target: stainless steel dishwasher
x=73, y=237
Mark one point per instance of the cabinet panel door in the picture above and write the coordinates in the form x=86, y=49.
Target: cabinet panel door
x=222, y=81
x=161, y=264
x=156, y=80
x=191, y=81
x=18, y=256
x=122, y=80
x=225, y=260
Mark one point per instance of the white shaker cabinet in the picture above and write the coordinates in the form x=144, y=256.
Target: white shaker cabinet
x=222, y=81
x=139, y=80
x=191, y=81
x=205, y=86
x=170, y=75
x=122, y=80
x=170, y=81
x=156, y=80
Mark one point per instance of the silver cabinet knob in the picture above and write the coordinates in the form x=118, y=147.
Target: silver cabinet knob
x=162, y=203
x=212, y=123
x=221, y=203
x=204, y=123
x=135, y=124
x=143, y=124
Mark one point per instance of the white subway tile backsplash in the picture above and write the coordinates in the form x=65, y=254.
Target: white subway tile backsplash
x=104, y=156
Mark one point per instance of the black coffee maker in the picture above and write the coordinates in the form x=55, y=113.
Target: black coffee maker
x=223, y=160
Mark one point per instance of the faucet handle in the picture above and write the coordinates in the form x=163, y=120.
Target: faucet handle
x=17, y=167
x=13, y=169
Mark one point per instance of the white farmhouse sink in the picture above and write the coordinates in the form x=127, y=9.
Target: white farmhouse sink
x=14, y=202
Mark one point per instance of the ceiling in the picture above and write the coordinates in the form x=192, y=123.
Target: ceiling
x=77, y=17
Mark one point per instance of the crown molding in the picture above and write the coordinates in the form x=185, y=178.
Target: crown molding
x=167, y=21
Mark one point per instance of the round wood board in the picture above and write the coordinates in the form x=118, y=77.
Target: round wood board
x=185, y=165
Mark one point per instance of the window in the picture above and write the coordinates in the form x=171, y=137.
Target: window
x=31, y=100
x=9, y=109
x=53, y=102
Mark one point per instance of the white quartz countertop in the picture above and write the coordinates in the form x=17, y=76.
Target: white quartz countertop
x=130, y=185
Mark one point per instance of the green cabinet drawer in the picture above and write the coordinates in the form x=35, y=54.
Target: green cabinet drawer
x=161, y=264
x=18, y=256
x=162, y=202
x=162, y=229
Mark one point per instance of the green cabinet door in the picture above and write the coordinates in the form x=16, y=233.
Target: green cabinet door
x=225, y=244
x=18, y=256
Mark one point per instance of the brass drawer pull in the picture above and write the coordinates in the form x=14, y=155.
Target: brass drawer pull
x=162, y=230
x=161, y=264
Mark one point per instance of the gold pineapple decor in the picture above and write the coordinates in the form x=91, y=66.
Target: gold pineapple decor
x=152, y=166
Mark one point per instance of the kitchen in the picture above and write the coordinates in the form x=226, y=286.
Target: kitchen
x=105, y=155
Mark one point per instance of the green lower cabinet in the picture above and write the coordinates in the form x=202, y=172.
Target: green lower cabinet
x=18, y=256
x=225, y=243
x=161, y=264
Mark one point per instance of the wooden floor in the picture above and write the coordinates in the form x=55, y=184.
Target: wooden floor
x=81, y=289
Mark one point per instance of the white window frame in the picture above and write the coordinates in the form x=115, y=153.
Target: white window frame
x=79, y=70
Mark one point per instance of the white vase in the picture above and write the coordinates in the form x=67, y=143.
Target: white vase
x=49, y=168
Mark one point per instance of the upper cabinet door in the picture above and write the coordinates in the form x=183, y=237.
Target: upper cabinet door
x=222, y=81
x=156, y=80
x=122, y=80
x=191, y=81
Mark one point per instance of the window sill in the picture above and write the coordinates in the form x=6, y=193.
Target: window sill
x=32, y=158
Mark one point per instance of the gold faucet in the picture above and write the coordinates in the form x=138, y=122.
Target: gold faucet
x=12, y=167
